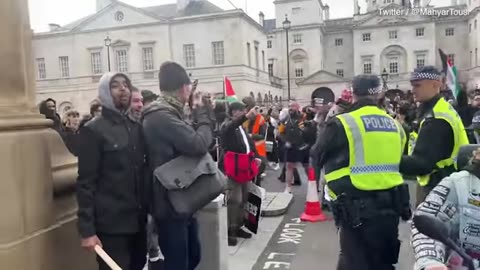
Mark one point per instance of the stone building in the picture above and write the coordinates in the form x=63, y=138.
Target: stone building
x=394, y=36
x=210, y=42
x=326, y=53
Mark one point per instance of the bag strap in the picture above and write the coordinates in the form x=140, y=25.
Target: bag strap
x=252, y=159
x=236, y=163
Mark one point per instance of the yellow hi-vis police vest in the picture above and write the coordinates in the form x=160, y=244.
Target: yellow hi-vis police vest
x=376, y=143
x=444, y=110
x=411, y=141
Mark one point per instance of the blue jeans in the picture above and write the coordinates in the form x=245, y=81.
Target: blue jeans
x=179, y=242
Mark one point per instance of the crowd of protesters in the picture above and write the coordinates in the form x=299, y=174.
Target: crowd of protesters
x=130, y=133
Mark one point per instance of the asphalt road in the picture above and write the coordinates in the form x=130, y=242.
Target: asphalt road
x=297, y=245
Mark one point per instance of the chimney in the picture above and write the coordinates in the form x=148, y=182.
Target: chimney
x=182, y=4
x=356, y=7
x=327, y=12
x=53, y=26
x=101, y=4
x=261, y=19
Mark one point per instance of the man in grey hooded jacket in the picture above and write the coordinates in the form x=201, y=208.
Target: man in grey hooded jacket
x=168, y=136
x=111, y=185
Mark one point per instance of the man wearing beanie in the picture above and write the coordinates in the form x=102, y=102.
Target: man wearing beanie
x=168, y=136
x=440, y=136
x=361, y=154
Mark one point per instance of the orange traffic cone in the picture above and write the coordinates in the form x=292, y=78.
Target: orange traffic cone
x=313, y=212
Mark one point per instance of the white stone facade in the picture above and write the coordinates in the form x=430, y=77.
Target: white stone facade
x=141, y=39
x=332, y=48
x=324, y=53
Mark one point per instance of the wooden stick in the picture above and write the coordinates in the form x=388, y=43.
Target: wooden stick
x=107, y=259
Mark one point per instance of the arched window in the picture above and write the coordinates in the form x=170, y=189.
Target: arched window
x=64, y=107
x=394, y=59
x=299, y=58
x=259, y=99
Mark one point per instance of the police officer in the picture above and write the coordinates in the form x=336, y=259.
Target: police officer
x=360, y=154
x=440, y=136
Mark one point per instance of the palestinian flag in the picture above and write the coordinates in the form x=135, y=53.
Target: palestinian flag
x=230, y=95
x=451, y=74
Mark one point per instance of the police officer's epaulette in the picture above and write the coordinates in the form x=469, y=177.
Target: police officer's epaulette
x=429, y=115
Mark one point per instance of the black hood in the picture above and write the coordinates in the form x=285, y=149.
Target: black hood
x=42, y=107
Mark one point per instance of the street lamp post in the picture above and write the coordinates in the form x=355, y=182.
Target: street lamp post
x=286, y=26
x=108, y=43
x=384, y=79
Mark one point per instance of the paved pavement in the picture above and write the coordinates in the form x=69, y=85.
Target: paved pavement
x=287, y=243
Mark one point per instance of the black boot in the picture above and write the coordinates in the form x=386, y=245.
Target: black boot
x=232, y=241
x=296, y=178
x=282, y=175
x=243, y=234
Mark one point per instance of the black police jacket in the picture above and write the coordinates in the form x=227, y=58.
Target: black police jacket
x=111, y=187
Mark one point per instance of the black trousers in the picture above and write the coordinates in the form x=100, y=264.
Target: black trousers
x=372, y=246
x=127, y=250
x=180, y=243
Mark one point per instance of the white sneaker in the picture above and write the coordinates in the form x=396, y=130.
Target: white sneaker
x=288, y=190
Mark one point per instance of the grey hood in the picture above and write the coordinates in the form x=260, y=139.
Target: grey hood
x=104, y=92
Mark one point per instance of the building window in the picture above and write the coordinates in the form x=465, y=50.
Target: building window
x=339, y=42
x=297, y=38
x=451, y=57
x=340, y=72
x=42, y=71
x=392, y=34
x=147, y=55
x=269, y=44
x=96, y=62
x=367, y=67
x=420, y=61
x=420, y=32
x=218, y=53
x=298, y=70
x=64, y=67
x=367, y=37
x=449, y=32
x=471, y=57
x=470, y=28
x=475, y=24
x=270, y=69
x=257, y=64
x=393, y=65
x=249, y=55
x=296, y=10
x=121, y=59
x=189, y=55
x=263, y=60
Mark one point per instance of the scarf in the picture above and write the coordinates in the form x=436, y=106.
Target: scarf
x=174, y=102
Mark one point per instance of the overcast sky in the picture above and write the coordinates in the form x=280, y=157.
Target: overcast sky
x=43, y=12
